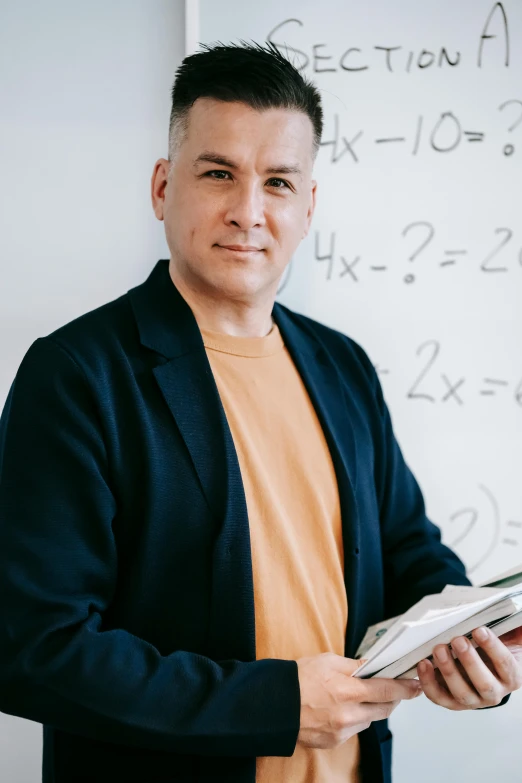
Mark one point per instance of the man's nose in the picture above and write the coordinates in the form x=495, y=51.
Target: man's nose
x=246, y=206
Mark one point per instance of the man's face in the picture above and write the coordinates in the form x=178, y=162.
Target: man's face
x=239, y=199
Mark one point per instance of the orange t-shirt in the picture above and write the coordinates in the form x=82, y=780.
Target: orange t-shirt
x=295, y=525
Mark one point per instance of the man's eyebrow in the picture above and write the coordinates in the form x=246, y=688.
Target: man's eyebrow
x=285, y=169
x=221, y=160
x=213, y=157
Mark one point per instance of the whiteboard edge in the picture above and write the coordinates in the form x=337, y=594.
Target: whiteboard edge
x=191, y=26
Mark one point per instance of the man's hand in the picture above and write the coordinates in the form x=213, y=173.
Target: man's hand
x=477, y=678
x=335, y=705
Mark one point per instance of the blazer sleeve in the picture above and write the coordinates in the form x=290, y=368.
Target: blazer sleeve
x=416, y=562
x=58, y=572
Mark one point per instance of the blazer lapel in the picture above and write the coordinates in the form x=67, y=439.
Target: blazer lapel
x=167, y=326
x=189, y=390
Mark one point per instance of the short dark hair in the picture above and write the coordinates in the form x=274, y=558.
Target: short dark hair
x=259, y=76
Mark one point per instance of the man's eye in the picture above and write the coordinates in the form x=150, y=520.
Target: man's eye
x=276, y=179
x=216, y=171
x=220, y=174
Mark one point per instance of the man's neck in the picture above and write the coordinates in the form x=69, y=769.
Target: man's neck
x=225, y=316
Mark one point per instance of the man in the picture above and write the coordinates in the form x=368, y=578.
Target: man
x=203, y=505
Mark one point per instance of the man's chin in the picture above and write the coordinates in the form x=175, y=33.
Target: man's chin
x=243, y=284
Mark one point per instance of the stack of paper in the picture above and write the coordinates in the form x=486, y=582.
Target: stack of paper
x=394, y=647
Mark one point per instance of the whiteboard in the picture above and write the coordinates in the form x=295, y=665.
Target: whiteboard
x=415, y=251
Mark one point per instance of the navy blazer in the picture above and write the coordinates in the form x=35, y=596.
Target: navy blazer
x=126, y=593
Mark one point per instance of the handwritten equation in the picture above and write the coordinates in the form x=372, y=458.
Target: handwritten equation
x=498, y=257
x=446, y=134
x=434, y=386
x=488, y=528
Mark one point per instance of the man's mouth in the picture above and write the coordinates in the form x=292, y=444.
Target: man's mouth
x=242, y=248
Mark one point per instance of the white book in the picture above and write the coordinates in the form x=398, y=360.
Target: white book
x=490, y=617
x=430, y=616
x=390, y=647
x=499, y=628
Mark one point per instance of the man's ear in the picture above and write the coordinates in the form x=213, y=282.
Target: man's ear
x=158, y=184
x=311, y=208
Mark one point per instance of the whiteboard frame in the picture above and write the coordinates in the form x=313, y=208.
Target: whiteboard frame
x=191, y=26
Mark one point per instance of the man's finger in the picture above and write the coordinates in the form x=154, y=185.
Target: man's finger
x=506, y=667
x=434, y=690
x=379, y=711
x=380, y=689
x=478, y=685
x=462, y=688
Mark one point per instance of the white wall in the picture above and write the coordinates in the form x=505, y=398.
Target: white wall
x=84, y=107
